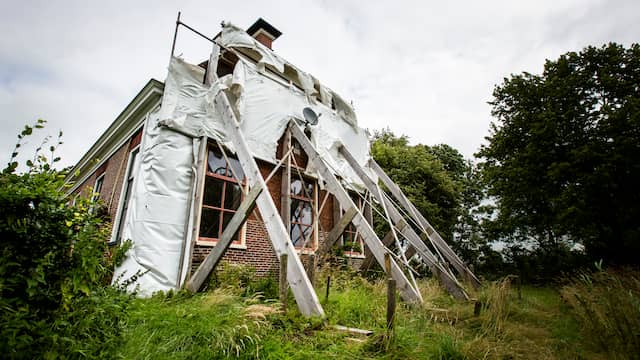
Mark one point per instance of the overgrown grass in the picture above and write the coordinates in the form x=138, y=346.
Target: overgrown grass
x=229, y=322
x=607, y=304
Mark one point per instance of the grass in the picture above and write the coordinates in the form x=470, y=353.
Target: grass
x=228, y=322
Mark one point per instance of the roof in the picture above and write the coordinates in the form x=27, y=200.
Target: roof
x=124, y=125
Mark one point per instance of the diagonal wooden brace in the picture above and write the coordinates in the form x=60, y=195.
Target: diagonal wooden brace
x=336, y=232
x=447, y=280
x=428, y=230
x=333, y=185
x=387, y=240
x=299, y=283
x=212, y=260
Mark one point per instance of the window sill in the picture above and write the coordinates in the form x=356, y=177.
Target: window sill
x=306, y=251
x=213, y=244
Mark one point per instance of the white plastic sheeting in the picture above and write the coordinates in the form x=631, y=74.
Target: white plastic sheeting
x=160, y=209
x=264, y=105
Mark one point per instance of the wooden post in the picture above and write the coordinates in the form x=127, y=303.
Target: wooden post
x=391, y=293
x=311, y=270
x=477, y=307
x=284, y=285
x=326, y=295
x=285, y=187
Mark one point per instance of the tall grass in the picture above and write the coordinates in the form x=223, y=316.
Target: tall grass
x=607, y=304
x=495, y=306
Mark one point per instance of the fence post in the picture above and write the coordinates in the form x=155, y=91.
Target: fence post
x=284, y=286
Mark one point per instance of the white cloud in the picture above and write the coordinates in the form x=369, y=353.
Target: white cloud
x=425, y=69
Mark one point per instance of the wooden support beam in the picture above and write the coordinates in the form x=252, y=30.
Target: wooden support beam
x=285, y=188
x=201, y=169
x=195, y=283
x=283, y=284
x=301, y=287
x=368, y=234
x=447, y=280
x=336, y=232
x=369, y=258
x=311, y=268
x=432, y=234
x=391, y=293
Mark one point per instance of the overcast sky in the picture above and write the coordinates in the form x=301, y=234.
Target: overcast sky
x=422, y=68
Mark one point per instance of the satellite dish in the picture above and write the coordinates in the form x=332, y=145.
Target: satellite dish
x=310, y=116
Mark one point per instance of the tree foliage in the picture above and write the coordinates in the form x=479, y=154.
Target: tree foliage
x=562, y=155
x=422, y=177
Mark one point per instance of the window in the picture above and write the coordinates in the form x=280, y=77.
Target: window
x=352, y=243
x=302, y=224
x=132, y=169
x=221, y=198
x=97, y=188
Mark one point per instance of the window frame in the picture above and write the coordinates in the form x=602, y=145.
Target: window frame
x=313, y=200
x=97, y=187
x=240, y=242
x=351, y=230
x=125, y=194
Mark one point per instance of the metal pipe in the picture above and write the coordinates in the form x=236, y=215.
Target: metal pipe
x=175, y=35
x=194, y=30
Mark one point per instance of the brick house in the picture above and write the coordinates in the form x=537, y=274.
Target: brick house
x=176, y=167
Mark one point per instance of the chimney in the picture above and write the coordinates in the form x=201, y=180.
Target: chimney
x=264, y=32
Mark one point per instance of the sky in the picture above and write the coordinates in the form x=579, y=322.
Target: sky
x=425, y=69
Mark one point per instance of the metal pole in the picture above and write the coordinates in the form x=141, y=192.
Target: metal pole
x=175, y=35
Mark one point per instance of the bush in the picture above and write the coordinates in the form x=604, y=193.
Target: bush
x=607, y=303
x=52, y=266
x=243, y=280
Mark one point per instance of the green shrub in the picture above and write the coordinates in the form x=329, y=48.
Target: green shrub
x=243, y=280
x=53, y=270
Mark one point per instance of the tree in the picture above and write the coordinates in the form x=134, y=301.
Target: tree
x=421, y=176
x=562, y=154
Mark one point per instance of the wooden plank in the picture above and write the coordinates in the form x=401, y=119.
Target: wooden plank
x=301, y=287
x=432, y=234
x=201, y=167
x=369, y=258
x=285, y=188
x=447, y=279
x=283, y=285
x=391, y=293
x=334, y=186
x=214, y=257
x=354, y=331
x=311, y=268
x=336, y=232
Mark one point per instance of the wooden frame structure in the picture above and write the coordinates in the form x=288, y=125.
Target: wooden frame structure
x=277, y=221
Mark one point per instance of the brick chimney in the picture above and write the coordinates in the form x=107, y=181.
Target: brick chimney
x=264, y=32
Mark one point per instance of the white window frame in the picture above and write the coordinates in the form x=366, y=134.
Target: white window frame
x=242, y=241
x=121, y=203
x=95, y=195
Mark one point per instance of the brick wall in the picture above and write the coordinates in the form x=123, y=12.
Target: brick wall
x=114, y=169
